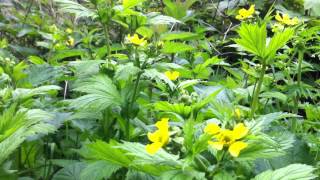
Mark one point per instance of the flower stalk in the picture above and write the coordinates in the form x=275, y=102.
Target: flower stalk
x=255, y=99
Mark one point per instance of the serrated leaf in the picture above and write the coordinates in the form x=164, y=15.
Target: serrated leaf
x=174, y=47
x=291, y=172
x=176, y=35
x=98, y=170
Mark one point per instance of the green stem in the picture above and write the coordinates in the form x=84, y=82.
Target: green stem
x=258, y=89
x=135, y=90
x=106, y=34
x=296, y=99
x=105, y=27
x=300, y=59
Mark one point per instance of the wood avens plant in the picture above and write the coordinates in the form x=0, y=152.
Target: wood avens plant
x=253, y=39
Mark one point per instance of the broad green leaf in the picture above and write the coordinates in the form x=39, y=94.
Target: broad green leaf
x=277, y=42
x=313, y=6
x=75, y=8
x=145, y=32
x=60, y=55
x=177, y=36
x=134, y=175
x=131, y=3
x=174, y=47
x=291, y=172
x=253, y=38
x=71, y=172
x=277, y=95
x=98, y=170
x=101, y=93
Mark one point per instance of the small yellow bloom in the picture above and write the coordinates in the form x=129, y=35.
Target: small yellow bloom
x=245, y=13
x=69, y=31
x=136, y=40
x=230, y=139
x=236, y=147
x=285, y=19
x=212, y=129
x=239, y=131
x=172, y=75
x=70, y=41
x=237, y=113
x=159, y=138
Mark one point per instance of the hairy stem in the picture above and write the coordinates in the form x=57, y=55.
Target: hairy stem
x=255, y=99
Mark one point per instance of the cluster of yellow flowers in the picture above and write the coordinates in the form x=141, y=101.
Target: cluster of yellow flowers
x=227, y=138
x=246, y=13
x=136, y=40
x=172, y=75
x=283, y=19
x=160, y=137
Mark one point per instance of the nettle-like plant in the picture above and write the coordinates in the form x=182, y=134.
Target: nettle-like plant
x=194, y=151
x=253, y=38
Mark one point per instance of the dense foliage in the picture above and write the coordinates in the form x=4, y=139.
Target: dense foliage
x=171, y=89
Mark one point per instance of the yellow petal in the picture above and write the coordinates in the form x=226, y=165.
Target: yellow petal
x=175, y=75
x=153, y=148
x=243, y=12
x=236, y=147
x=216, y=145
x=154, y=137
x=285, y=17
x=163, y=123
x=239, y=131
x=278, y=17
x=251, y=9
x=172, y=75
x=212, y=129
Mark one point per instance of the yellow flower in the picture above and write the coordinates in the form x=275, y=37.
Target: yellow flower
x=285, y=19
x=230, y=139
x=159, y=138
x=70, y=41
x=212, y=129
x=136, y=40
x=69, y=31
x=237, y=113
x=172, y=75
x=245, y=13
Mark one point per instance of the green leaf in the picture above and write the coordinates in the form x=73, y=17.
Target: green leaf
x=134, y=175
x=176, y=35
x=18, y=124
x=277, y=95
x=145, y=32
x=180, y=108
x=101, y=93
x=313, y=6
x=253, y=38
x=291, y=172
x=71, y=172
x=98, y=170
x=277, y=42
x=131, y=3
x=264, y=121
x=188, y=174
x=60, y=55
x=174, y=47
x=75, y=8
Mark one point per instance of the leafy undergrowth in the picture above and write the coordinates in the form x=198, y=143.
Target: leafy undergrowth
x=136, y=89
